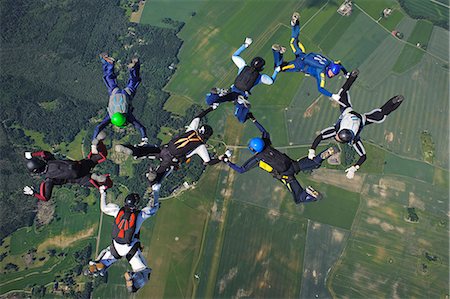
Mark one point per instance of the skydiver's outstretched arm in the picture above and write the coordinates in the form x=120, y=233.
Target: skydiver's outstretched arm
x=249, y=164
x=203, y=113
x=44, y=155
x=359, y=148
x=238, y=61
x=265, y=134
x=110, y=209
x=320, y=79
x=327, y=133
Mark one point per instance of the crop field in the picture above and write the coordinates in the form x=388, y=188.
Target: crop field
x=324, y=245
x=242, y=235
x=294, y=112
x=262, y=253
x=385, y=249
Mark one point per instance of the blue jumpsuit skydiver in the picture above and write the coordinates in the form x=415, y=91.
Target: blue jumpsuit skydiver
x=313, y=64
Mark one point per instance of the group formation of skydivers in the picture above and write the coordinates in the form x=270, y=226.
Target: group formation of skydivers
x=128, y=219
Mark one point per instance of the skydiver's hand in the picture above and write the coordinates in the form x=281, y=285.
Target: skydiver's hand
x=351, y=171
x=94, y=149
x=278, y=69
x=102, y=189
x=311, y=154
x=27, y=190
x=347, y=75
x=223, y=158
x=215, y=105
x=335, y=97
x=248, y=41
x=28, y=155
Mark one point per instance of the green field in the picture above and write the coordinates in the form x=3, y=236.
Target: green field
x=242, y=234
x=294, y=113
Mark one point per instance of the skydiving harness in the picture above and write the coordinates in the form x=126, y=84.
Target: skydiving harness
x=177, y=150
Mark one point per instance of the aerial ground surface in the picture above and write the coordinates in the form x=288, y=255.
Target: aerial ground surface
x=242, y=234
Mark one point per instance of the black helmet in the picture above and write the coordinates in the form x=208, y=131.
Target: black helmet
x=258, y=63
x=205, y=132
x=345, y=135
x=36, y=165
x=132, y=200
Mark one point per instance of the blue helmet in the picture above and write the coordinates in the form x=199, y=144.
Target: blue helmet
x=256, y=145
x=335, y=68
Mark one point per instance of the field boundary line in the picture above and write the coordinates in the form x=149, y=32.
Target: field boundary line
x=400, y=40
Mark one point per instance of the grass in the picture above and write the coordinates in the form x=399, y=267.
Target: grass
x=260, y=264
x=408, y=168
x=165, y=134
x=432, y=11
x=178, y=104
x=421, y=33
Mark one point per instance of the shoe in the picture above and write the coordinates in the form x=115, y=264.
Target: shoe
x=99, y=177
x=278, y=48
x=104, y=57
x=215, y=90
x=101, y=136
x=134, y=62
x=119, y=148
x=294, y=19
x=313, y=193
x=355, y=73
x=329, y=152
x=398, y=99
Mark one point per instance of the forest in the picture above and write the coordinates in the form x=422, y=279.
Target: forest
x=52, y=84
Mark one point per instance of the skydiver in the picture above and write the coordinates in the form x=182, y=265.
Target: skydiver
x=60, y=172
x=348, y=127
x=313, y=64
x=280, y=165
x=247, y=78
x=125, y=240
x=175, y=152
x=120, y=111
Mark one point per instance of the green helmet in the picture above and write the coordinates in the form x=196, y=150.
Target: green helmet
x=118, y=119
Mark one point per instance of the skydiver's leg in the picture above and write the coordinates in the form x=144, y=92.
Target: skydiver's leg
x=296, y=46
x=305, y=164
x=140, y=275
x=101, y=156
x=45, y=190
x=109, y=76
x=106, y=121
x=135, y=79
x=299, y=194
x=214, y=97
x=103, y=261
x=150, y=151
x=379, y=115
x=277, y=58
x=160, y=173
x=131, y=119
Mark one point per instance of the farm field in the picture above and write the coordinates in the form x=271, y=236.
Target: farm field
x=242, y=235
x=294, y=113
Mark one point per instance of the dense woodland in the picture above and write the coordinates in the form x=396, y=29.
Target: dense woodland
x=51, y=82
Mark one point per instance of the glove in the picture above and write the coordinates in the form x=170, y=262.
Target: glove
x=144, y=141
x=102, y=189
x=351, y=171
x=335, y=97
x=311, y=154
x=224, y=158
x=27, y=190
x=248, y=41
x=28, y=155
x=94, y=149
x=347, y=75
x=156, y=187
x=215, y=105
x=278, y=69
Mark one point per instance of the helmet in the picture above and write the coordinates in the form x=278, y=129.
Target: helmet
x=205, y=132
x=132, y=200
x=258, y=63
x=345, y=135
x=334, y=68
x=36, y=165
x=256, y=145
x=118, y=119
